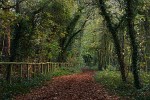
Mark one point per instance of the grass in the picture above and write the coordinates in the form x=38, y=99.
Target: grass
x=112, y=81
x=65, y=71
x=7, y=91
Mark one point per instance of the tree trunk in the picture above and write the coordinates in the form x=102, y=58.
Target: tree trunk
x=6, y=37
x=62, y=53
x=147, y=37
x=6, y=45
x=62, y=56
x=6, y=52
x=132, y=35
x=113, y=32
x=99, y=60
x=14, y=45
x=6, y=42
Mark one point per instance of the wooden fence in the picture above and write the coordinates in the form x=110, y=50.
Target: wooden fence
x=23, y=70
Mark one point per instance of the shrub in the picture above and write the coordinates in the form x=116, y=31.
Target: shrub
x=65, y=71
x=112, y=81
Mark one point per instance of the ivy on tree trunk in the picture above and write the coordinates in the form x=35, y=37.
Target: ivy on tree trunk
x=131, y=9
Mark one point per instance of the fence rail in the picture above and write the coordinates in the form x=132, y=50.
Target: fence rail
x=25, y=70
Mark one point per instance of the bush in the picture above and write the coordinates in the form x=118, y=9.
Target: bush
x=65, y=71
x=112, y=81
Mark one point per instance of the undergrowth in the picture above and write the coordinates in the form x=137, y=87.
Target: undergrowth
x=9, y=90
x=112, y=81
x=65, y=71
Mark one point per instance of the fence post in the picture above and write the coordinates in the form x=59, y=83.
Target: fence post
x=60, y=64
x=33, y=66
x=20, y=72
x=11, y=72
x=27, y=71
x=55, y=66
x=39, y=68
x=47, y=67
x=42, y=68
x=51, y=66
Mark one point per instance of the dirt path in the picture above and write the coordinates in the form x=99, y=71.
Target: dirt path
x=70, y=87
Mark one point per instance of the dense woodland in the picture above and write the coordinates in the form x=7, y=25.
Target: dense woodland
x=97, y=34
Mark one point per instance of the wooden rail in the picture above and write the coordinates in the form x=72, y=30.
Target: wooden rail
x=24, y=70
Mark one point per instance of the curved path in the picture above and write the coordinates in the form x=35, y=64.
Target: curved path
x=70, y=87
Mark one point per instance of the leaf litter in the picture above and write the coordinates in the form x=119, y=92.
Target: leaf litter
x=70, y=87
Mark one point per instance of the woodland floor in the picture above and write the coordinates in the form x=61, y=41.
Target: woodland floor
x=71, y=87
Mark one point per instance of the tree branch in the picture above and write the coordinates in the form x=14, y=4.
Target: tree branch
x=77, y=32
x=122, y=19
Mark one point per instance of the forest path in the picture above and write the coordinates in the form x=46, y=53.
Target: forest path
x=71, y=87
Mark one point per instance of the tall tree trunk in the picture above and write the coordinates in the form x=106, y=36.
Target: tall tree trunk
x=6, y=45
x=14, y=43
x=62, y=56
x=147, y=37
x=62, y=53
x=6, y=42
x=99, y=60
x=16, y=36
x=132, y=34
x=6, y=51
x=1, y=46
x=113, y=32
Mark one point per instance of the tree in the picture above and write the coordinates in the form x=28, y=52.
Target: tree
x=66, y=41
x=113, y=30
x=131, y=9
x=7, y=34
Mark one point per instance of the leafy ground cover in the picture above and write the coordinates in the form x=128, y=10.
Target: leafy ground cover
x=70, y=87
x=7, y=91
x=112, y=81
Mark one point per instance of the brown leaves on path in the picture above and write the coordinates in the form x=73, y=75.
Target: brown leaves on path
x=70, y=87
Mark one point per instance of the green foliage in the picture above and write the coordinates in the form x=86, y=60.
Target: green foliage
x=61, y=71
x=6, y=19
x=65, y=71
x=112, y=81
x=60, y=13
x=46, y=27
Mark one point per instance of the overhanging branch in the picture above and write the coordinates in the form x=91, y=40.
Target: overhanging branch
x=76, y=33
